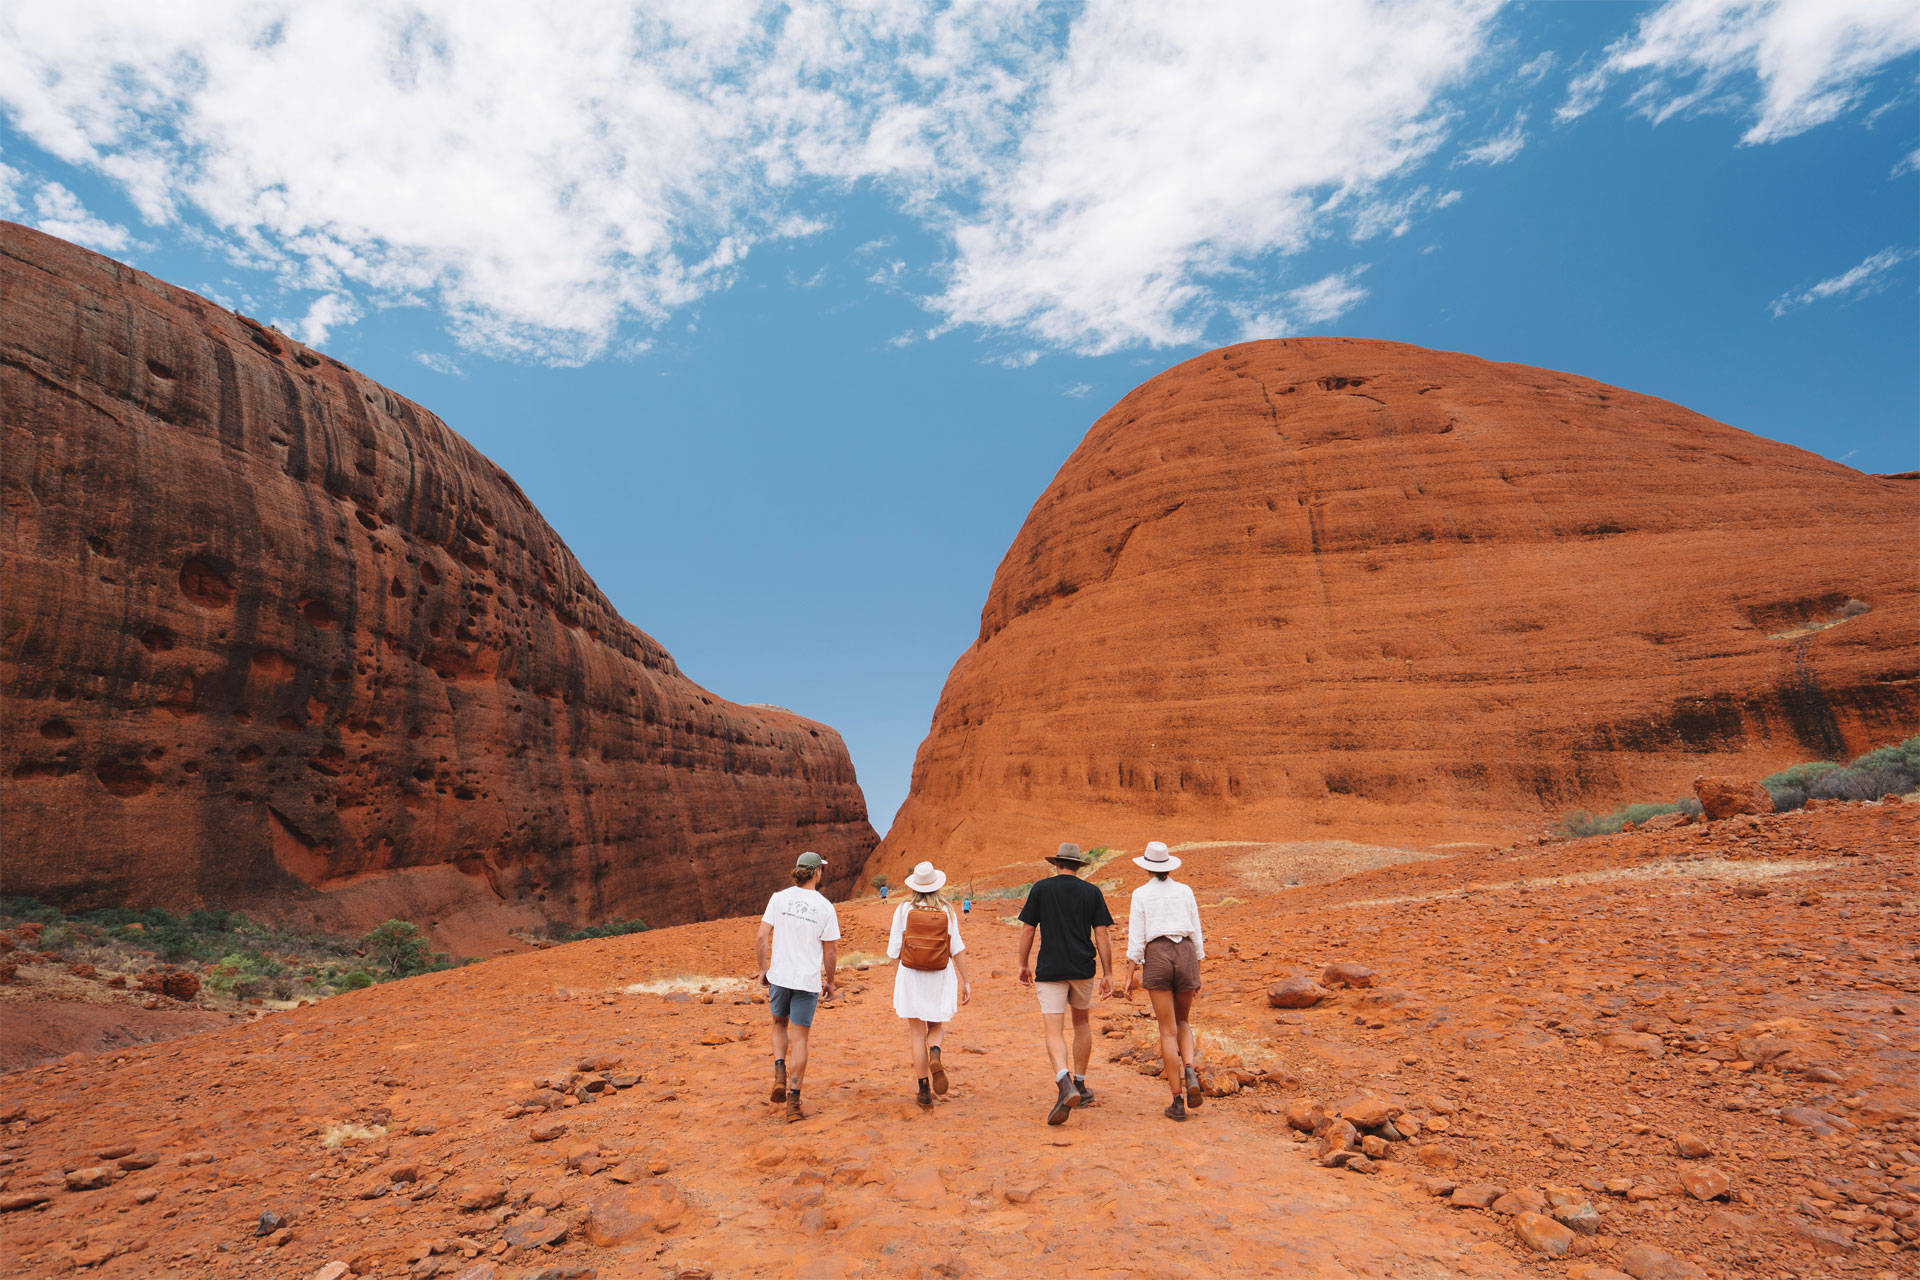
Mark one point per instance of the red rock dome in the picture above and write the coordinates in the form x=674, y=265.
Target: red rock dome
x=277, y=638
x=1330, y=587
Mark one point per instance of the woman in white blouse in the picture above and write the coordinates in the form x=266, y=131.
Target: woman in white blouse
x=1164, y=948
x=931, y=980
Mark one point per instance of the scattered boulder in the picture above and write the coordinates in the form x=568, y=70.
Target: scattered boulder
x=1347, y=973
x=630, y=1214
x=1476, y=1195
x=1729, y=797
x=1543, y=1235
x=1298, y=992
x=1704, y=1182
x=91, y=1178
x=485, y=1193
x=1644, y=1262
x=1690, y=1146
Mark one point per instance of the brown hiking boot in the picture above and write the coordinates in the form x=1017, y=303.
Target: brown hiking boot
x=1193, y=1088
x=1069, y=1099
x=1177, y=1109
x=938, y=1072
x=793, y=1107
x=925, y=1096
x=779, y=1093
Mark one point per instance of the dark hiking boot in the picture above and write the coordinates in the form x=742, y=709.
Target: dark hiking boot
x=1177, y=1109
x=1086, y=1094
x=793, y=1106
x=1193, y=1087
x=1068, y=1100
x=925, y=1097
x=779, y=1093
x=939, y=1073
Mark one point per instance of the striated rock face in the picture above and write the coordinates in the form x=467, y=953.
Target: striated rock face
x=1328, y=586
x=275, y=637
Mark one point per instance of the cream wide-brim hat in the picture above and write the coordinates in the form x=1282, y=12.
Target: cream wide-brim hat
x=925, y=879
x=1156, y=858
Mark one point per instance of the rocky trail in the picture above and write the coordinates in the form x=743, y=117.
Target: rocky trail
x=1668, y=1053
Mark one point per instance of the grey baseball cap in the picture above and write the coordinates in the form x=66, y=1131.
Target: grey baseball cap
x=810, y=861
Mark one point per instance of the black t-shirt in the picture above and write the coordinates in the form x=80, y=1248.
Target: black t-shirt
x=1066, y=910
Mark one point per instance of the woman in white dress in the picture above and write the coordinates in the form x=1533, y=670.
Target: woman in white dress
x=931, y=980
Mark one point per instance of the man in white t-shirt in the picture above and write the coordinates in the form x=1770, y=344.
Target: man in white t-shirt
x=797, y=953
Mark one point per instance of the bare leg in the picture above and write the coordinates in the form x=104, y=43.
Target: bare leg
x=1171, y=1056
x=797, y=1056
x=917, y=1034
x=1057, y=1040
x=1182, y=1014
x=779, y=1037
x=1082, y=1040
x=936, y=1032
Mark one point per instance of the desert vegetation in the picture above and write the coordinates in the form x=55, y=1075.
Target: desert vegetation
x=1578, y=823
x=226, y=954
x=1889, y=770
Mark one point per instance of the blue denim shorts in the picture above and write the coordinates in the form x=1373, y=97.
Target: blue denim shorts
x=794, y=1006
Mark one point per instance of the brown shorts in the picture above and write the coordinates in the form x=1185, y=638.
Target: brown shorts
x=1170, y=966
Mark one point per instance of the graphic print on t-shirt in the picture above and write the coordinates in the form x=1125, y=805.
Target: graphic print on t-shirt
x=802, y=919
x=1066, y=910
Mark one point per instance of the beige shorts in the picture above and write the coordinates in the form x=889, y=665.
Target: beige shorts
x=1055, y=996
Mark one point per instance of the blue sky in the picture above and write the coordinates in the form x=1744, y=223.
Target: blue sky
x=783, y=315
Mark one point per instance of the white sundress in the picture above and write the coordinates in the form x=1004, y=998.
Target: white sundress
x=929, y=995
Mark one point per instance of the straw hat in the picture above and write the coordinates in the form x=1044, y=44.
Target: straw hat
x=1156, y=858
x=925, y=879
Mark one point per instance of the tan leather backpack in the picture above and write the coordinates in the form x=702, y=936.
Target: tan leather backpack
x=924, y=943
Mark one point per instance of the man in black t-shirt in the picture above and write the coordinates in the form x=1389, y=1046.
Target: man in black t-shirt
x=1073, y=920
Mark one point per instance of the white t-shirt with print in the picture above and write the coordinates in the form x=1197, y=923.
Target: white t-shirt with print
x=802, y=919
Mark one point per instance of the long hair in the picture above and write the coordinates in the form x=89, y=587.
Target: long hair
x=803, y=874
x=929, y=899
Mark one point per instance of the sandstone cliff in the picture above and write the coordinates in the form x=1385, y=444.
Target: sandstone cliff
x=276, y=637
x=1337, y=587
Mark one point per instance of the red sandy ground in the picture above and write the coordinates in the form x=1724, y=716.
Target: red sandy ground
x=1550, y=1015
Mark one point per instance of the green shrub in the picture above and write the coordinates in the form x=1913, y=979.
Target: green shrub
x=613, y=928
x=396, y=949
x=1890, y=769
x=352, y=980
x=29, y=910
x=878, y=882
x=1578, y=823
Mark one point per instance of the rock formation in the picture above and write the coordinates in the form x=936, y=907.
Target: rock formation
x=1327, y=586
x=276, y=637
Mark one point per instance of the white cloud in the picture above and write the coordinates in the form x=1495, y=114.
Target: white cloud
x=1165, y=151
x=1908, y=165
x=1499, y=148
x=547, y=177
x=1535, y=69
x=58, y=212
x=1811, y=60
x=328, y=312
x=1328, y=298
x=1869, y=277
x=440, y=363
x=1078, y=391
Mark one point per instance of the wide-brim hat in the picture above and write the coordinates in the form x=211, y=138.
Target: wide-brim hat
x=1156, y=858
x=925, y=879
x=1070, y=853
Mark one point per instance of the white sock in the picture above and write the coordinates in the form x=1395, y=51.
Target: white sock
x=1058, y=1076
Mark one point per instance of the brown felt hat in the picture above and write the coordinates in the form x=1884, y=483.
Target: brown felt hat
x=1069, y=853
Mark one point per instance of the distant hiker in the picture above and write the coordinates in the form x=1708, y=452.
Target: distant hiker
x=1165, y=946
x=883, y=893
x=1073, y=920
x=931, y=982
x=796, y=951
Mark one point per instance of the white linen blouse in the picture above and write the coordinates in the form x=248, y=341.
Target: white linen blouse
x=1163, y=909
